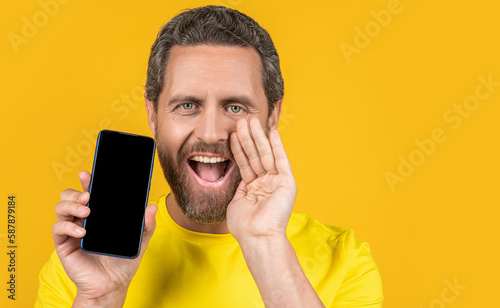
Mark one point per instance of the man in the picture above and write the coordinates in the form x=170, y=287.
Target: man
x=225, y=236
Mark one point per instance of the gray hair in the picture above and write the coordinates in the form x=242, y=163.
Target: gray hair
x=217, y=26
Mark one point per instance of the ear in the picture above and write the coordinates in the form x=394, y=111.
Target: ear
x=275, y=116
x=150, y=110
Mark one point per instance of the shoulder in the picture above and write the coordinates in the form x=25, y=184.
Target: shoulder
x=334, y=252
x=303, y=226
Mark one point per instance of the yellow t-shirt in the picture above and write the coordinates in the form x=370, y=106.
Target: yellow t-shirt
x=182, y=268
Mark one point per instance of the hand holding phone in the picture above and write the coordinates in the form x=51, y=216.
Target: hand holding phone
x=95, y=283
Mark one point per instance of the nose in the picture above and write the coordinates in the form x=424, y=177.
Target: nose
x=212, y=126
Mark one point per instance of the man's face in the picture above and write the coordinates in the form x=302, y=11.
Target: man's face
x=206, y=91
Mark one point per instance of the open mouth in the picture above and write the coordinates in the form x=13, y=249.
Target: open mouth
x=211, y=169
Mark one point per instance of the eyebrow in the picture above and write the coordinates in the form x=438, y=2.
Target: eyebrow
x=183, y=98
x=244, y=100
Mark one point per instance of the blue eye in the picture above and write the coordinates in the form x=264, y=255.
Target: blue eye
x=236, y=109
x=190, y=106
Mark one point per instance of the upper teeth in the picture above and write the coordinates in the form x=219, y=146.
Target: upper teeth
x=204, y=159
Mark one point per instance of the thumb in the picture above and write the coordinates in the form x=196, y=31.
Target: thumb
x=149, y=227
x=150, y=222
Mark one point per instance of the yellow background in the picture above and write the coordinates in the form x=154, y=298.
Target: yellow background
x=344, y=125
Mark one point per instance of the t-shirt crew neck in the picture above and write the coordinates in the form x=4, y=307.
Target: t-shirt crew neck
x=188, y=235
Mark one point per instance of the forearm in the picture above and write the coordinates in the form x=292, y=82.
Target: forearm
x=278, y=274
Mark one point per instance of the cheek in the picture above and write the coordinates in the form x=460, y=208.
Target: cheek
x=172, y=135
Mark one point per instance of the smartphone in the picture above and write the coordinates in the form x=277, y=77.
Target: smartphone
x=119, y=190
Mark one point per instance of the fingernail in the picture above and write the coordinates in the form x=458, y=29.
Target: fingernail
x=84, y=196
x=82, y=209
x=79, y=231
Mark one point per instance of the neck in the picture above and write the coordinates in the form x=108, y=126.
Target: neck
x=178, y=216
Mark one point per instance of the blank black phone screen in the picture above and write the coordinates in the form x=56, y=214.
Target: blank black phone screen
x=119, y=189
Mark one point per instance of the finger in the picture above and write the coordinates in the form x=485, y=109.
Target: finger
x=150, y=221
x=68, y=210
x=281, y=159
x=61, y=230
x=84, y=179
x=249, y=147
x=246, y=171
x=75, y=196
x=263, y=146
